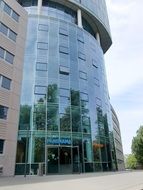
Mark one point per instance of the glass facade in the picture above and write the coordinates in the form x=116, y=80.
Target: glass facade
x=65, y=118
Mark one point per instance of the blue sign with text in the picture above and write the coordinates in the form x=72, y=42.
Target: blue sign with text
x=57, y=141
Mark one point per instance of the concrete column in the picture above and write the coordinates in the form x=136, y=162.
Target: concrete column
x=79, y=18
x=39, y=6
x=98, y=38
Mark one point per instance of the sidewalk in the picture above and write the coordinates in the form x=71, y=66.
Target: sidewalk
x=94, y=181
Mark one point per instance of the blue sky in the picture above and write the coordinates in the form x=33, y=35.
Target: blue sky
x=124, y=65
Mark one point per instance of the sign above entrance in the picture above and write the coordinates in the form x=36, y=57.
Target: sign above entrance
x=57, y=141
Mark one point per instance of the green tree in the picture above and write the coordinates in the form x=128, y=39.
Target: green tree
x=137, y=146
x=131, y=161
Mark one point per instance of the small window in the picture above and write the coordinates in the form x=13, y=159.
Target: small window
x=43, y=27
x=63, y=40
x=64, y=59
x=64, y=50
x=12, y=35
x=6, y=83
x=2, y=53
x=80, y=38
x=98, y=102
x=94, y=63
x=41, y=66
x=81, y=56
x=9, y=57
x=64, y=70
x=15, y=16
x=1, y=146
x=80, y=45
x=3, y=112
x=3, y=29
x=64, y=32
x=83, y=75
x=42, y=45
x=7, y=9
x=84, y=96
x=96, y=82
x=85, y=121
x=40, y=89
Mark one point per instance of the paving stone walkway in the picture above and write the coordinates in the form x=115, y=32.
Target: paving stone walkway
x=98, y=181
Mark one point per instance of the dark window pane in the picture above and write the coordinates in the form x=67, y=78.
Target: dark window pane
x=12, y=35
x=34, y=2
x=9, y=57
x=6, y=83
x=25, y=3
x=1, y=53
x=21, y=149
x=7, y=9
x=1, y=146
x=64, y=70
x=3, y=112
x=15, y=16
x=3, y=29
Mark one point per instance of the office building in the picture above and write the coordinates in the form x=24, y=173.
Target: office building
x=13, y=21
x=117, y=141
x=65, y=121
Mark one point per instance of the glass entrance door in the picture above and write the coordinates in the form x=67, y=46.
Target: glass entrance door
x=76, y=159
x=65, y=160
x=52, y=160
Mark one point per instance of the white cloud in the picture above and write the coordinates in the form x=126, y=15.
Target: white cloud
x=125, y=56
x=124, y=64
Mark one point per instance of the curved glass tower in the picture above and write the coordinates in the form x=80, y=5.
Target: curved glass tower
x=65, y=119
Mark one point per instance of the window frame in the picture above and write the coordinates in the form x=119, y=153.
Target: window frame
x=2, y=146
x=5, y=110
x=7, y=80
